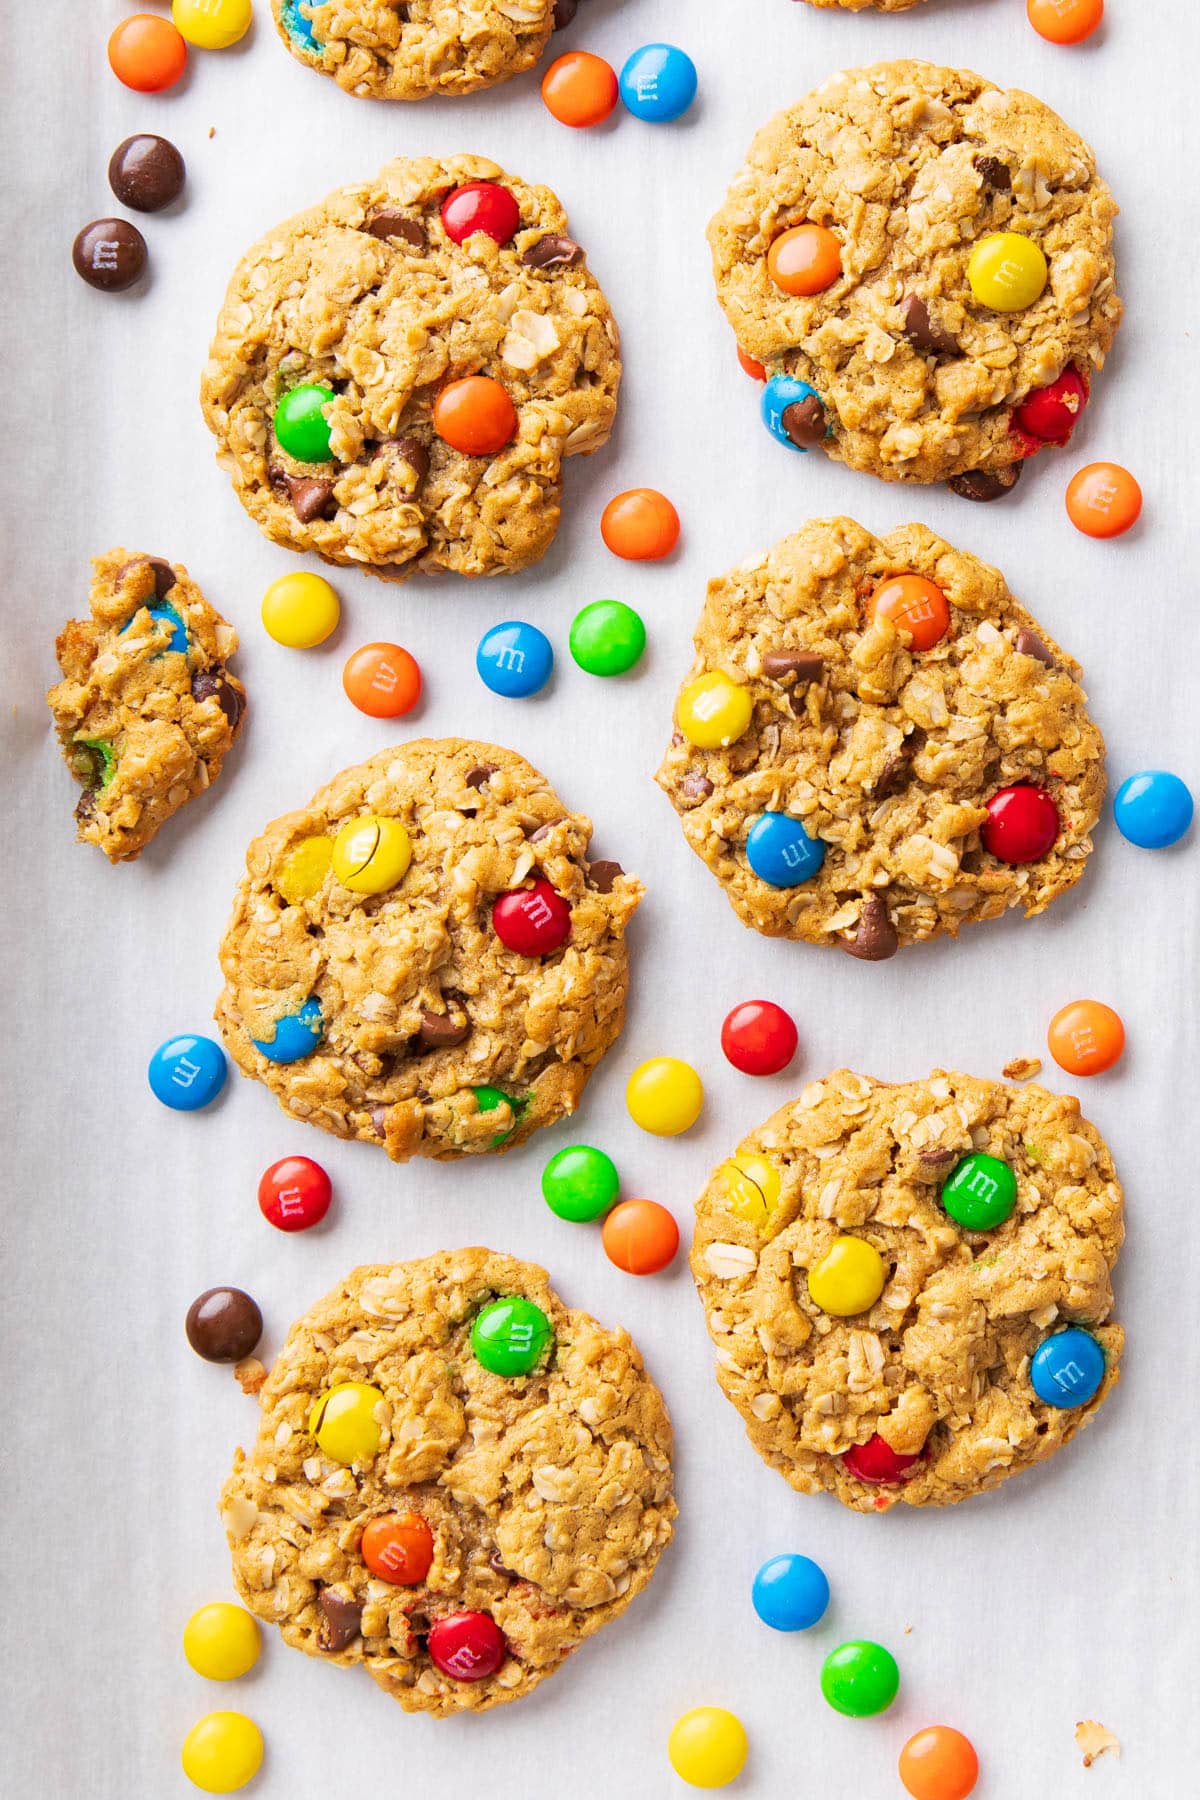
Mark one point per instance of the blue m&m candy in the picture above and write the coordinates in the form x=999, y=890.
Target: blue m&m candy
x=1153, y=809
x=296, y=1035
x=780, y=851
x=187, y=1072
x=658, y=83
x=298, y=28
x=514, y=659
x=790, y=1593
x=798, y=430
x=166, y=614
x=1067, y=1368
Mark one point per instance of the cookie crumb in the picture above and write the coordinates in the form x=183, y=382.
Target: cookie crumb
x=1094, y=1739
x=1022, y=1068
x=250, y=1373
x=212, y=131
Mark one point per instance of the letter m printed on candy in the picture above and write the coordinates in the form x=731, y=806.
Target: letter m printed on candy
x=982, y=1185
x=184, y=1072
x=509, y=657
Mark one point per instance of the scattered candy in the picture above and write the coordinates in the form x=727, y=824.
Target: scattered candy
x=640, y=525
x=514, y=659
x=382, y=680
x=212, y=24
x=294, y=1193
x=607, y=637
x=860, y=1678
x=399, y=1548
x=1067, y=1368
x=480, y=206
x=792, y=412
x=511, y=1336
x=187, y=1073
x=223, y=1325
x=708, y=1747
x=1153, y=809
x=371, y=854
x=468, y=1646
x=147, y=53
x=304, y=869
x=876, y=1461
x=939, y=1763
x=1064, y=21
x=805, y=259
x=222, y=1752
x=640, y=1236
x=110, y=254
x=475, y=416
x=580, y=1183
x=848, y=1279
x=221, y=1641
x=1103, y=500
x=759, y=1038
x=296, y=1034
x=146, y=172
x=980, y=1192
x=790, y=1593
x=1052, y=413
x=1022, y=824
x=300, y=423
x=1007, y=271
x=658, y=83
x=713, y=711
x=752, y=1185
x=1086, y=1037
x=664, y=1096
x=344, y=1423
x=914, y=605
x=579, y=89
x=780, y=851
x=750, y=365
x=533, y=921
x=300, y=610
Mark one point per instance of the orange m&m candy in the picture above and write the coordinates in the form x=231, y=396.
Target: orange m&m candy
x=399, y=1548
x=640, y=525
x=1064, y=21
x=382, y=680
x=805, y=259
x=640, y=1236
x=580, y=89
x=915, y=605
x=751, y=365
x=1086, y=1037
x=939, y=1763
x=147, y=53
x=1103, y=500
x=475, y=415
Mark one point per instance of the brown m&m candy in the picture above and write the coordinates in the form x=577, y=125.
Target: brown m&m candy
x=146, y=172
x=223, y=1325
x=109, y=254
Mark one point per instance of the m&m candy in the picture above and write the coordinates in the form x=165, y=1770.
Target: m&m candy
x=297, y=1034
x=664, y=1096
x=300, y=423
x=848, y=1279
x=533, y=921
x=792, y=412
x=713, y=711
x=580, y=1183
x=759, y=1038
x=222, y=1752
x=187, y=1073
x=939, y=1763
x=805, y=259
x=382, y=680
x=480, y=206
x=1103, y=500
x=790, y=1593
x=514, y=659
x=223, y=1324
x=511, y=1336
x=298, y=26
x=1007, y=271
x=1064, y=21
x=475, y=416
x=371, y=854
x=212, y=24
x=915, y=606
x=344, y=1421
x=1052, y=413
x=1153, y=809
x=1086, y=1037
x=147, y=53
x=467, y=1646
x=294, y=1193
x=640, y=525
x=579, y=89
x=658, y=83
x=876, y=1461
x=708, y=1747
x=607, y=637
x=753, y=1186
x=398, y=1548
x=780, y=851
x=1022, y=824
x=110, y=255
x=980, y=1192
x=750, y=365
x=221, y=1641
x=860, y=1678
x=300, y=610
x=1067, y=1368
x=640, y=1236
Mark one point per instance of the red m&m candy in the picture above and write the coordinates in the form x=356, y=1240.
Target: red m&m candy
x=759, y=1038
x=532, y=921
x=1052, y=413
x=467, y=1645
x=480, y=206
x=1022, y=824
x=877, y=1461
x=294, y=1193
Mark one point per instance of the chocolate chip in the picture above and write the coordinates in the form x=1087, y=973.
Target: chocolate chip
x=985, y=484
x=341, y=1620
x=564, y=12
x=495, y=1563
x=390, y=222
x=921, y=330
x=804, y=421
x=85, y=806
x=696, y=787
x=542, y=831
x=415, y=454
x=552, y=251
x=875, y=940
x=1030, y=644
x=211, y=684
x=223, y=1324
x=932, y=1162
x=994, y=172
x=311, y=497
x=895, y=775
x=379, y=1119
x=440, y=1030
x=475, y=778
x=146, y=172
x=110, y=254
x=602, y=876
x=778, y=663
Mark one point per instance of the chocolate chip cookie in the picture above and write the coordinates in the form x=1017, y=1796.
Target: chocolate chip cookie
x=425, y=956
x=147, y=707
x=456, y=1480
x=877, y=744
x=399, y=372
x=908, y=1284
x=921, y=266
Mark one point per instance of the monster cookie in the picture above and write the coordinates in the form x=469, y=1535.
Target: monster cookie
x=919, y=265
x=908, y=1284
x=877, y=744
x=862, y=5
x=456, y=1480
x=399, y=372
x=425, y=957
x=147, y=708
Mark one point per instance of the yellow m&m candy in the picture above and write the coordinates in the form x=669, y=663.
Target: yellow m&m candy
x=848, y=1279
x=304, y=869
x=713, y=711
x=300, y=610
x=222, y=1752
x=752, y=1185
x=212, y=24
x=371, y=854
x=664, y=1096
x=221, y=1641
x=1007, y=271
x=344, y=1424
x=708, y=1747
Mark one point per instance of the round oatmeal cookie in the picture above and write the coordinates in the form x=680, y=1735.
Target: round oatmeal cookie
x=424, y=956
x=863, y=5
x=924, y=356
x=926, y=1394
x=811, y=726
x=458, y=1532
x=370, y=298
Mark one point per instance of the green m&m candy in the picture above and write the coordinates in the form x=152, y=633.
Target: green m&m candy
x=580, y=1183
x=607, y=637
x=511, y=1336
x=980, y=1193
x=300, y=424
x=860, y=1678
x=490, y=1099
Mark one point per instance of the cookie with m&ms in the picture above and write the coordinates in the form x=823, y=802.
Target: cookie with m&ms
x=147, y=709
x=877, y=744
x=863, y=5
x=909, y=1284
x=427, y=956
x=456, y=1480
x=399, y=373
x=921, y=264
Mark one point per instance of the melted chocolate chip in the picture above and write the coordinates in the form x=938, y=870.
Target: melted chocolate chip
x=211, y=684
x=875, y=940
x=695, y=786
x=341, y=1620
x=804, y=422
x=933, y=1162
x=1030, y=644
x=476, y=778
x=439, y=1031
x=985, y=484
x=146, y=172
x=542, y=831
x=311, y=497
x=223, y=1324
x=552, y=251
x=85, y=806
x=390, y=222
x=379, y=1119
x=416, y=454
x=603, y=875
x=778, y=663
x=895, y=774
x=495, y=1563
x=921, y=330
x=994, y=172
x=164, y=576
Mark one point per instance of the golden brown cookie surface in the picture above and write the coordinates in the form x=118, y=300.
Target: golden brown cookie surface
x=408, y=49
